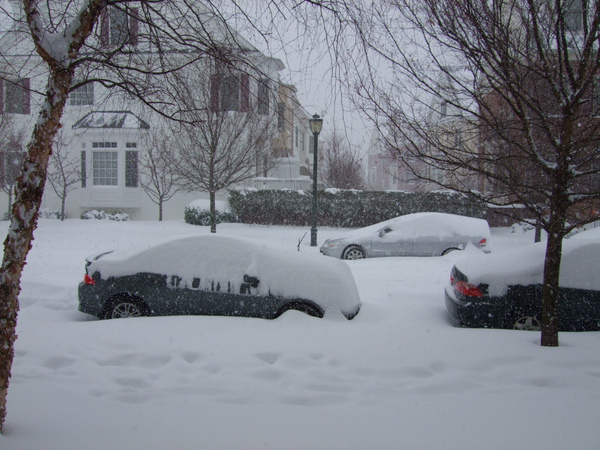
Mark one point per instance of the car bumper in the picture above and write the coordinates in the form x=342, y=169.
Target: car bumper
x=475, y=314
x=335, y=252
x=89, y=301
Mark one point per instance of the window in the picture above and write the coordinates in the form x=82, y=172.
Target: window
x=131, y=166
x=573, y=15
x=10, y=166
x=596, y=97
x=311, y=144
x=297, y=136
x=105, y=165
x=230, y=92
x=263, y=96
x=82, y=96
x=230, y=97
x=281, y=116
x=119, y=26
x=16, y=96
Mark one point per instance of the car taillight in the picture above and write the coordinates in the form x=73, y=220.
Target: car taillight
x=482, y=243
x=467, y=289
x=88, y=280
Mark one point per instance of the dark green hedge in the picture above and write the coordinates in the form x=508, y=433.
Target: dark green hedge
x=339, y=208
x=198, y=216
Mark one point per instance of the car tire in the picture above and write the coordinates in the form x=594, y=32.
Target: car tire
x=306, y=307
x=354, y=252
x=448, y=250
x=126, y=306
x=528, y=323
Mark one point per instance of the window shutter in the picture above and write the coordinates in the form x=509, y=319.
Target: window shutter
x=134, y=26
x=214, y=92
x=131, y=168
x=1, y=96
x=245, y=93
x=83, y=170
x=104, y=27
x=2, y=168
x=26, y=86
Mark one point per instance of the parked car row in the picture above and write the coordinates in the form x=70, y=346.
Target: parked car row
x=216, y=275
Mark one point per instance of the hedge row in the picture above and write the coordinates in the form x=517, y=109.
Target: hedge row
x=343, y=208
x=199, y=216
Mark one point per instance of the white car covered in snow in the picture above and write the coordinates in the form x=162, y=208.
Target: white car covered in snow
x=420, y=234
x=215, y=275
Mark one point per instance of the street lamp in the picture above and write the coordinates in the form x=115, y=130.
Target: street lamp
x=316, y=123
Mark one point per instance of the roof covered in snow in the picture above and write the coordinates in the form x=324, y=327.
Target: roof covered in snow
x=111, y=119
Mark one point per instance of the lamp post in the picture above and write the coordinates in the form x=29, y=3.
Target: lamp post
x=316, y=123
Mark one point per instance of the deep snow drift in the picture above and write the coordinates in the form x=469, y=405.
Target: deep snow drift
x=398, y=376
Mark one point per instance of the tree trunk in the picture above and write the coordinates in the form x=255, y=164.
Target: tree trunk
x=25, y=210
x=160, y=210
x=63, y=201
x=213, y=212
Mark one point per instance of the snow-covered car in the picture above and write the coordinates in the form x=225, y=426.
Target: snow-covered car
x=420, y=234
x=504, y=290
x=215, y=275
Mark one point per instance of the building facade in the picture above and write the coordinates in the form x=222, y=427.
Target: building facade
x=103, y=135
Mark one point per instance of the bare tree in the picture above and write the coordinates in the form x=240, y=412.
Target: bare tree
x=225, y=137
x=64, y=172
x=158, y=169
x=341, y=167
x=505, y=92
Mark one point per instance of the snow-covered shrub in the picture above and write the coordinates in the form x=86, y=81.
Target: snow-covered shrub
x=101, y=215
x=50, y=214
x=200, y=216
x=521, y=227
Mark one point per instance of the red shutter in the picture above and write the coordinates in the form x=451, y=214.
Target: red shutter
x=26, y=86
x=134, y=26
x=215, y=85
x=245, y=93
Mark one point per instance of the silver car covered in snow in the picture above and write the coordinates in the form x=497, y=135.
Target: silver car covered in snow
x=420, y=234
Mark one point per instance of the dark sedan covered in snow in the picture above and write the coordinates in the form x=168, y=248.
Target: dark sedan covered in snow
x=420, y=234
x=215, y=275
x=504, y=290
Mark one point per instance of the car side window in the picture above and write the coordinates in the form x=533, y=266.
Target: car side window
x=174, y=282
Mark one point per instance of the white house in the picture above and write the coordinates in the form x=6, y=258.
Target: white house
x=103, y=131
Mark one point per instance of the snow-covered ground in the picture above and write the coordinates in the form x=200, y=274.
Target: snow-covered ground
x=398, y=376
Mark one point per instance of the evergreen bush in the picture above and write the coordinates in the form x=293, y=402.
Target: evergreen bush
x=344, y=208
x=199, y=216
x=101, y=215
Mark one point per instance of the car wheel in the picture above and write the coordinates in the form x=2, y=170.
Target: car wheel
x=529, y=323
x=354, y=252
x=306, y=307
x=125, y=306
x=448, y=250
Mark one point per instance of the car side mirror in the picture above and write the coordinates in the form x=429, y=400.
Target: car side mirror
x=252, y=281
x=385, y=231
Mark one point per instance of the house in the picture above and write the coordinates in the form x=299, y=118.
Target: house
x=104, y=132
x=410, y=162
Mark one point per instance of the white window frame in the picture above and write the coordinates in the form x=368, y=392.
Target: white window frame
x=105, y=164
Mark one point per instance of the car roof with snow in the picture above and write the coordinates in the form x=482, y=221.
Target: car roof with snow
x=580, y=265
x=428, y=224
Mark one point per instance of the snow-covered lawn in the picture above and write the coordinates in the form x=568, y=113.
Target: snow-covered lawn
x=398, y=376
